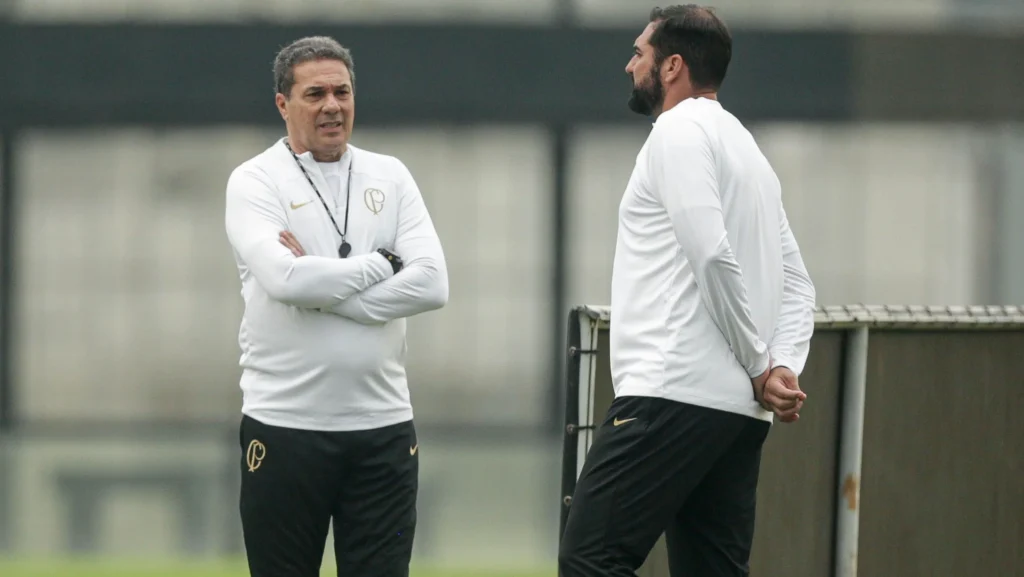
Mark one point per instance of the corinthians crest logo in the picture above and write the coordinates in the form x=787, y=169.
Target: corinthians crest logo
x=254, y=455
x=374, y=199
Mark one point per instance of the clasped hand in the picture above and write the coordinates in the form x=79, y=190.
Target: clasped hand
x=778, y=391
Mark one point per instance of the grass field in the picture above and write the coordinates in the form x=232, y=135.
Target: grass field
x=95, y=568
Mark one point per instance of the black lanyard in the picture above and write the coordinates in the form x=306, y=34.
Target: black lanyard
x=345, y=248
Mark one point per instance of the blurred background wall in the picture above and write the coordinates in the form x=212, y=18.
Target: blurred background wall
x=895, y=127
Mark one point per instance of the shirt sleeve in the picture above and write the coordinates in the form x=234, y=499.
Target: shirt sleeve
x=792, y=339
x=682, y=167
x=422, y=284
x=254, y=219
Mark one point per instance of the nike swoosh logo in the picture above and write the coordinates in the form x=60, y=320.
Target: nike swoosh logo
x=412, y=450
x=618, y=422
x=300, y=205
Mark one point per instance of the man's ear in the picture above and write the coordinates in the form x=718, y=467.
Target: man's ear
x=673, y=68
x=280, y=100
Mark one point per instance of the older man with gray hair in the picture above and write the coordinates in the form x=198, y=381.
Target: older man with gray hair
x=335, y=248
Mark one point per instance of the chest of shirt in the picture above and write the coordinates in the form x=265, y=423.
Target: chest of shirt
x=371, y=203
x=641, y=212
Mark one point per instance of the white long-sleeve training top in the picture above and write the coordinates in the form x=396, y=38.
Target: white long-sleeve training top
x=323, y=338
x=708, y=281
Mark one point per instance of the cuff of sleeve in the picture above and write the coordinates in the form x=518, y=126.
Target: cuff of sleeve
x=761, y=366
x=380, y=266
x=781, y=360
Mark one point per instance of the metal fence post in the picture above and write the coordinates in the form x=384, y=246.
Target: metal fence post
x=8, y=207
x=8, y=138
x=559, y=269
x=850, y=451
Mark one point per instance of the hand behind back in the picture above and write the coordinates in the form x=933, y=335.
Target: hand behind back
x=782, y=392
x=778, y=390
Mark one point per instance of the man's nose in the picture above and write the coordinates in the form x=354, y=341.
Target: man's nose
x=332, y=104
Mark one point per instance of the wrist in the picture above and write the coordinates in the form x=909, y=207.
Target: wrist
x=380, y=264
x=394, y=261
x=782, y=362
x=776, y=369
x=763, y=364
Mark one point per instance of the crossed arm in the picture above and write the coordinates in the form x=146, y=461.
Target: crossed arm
x=254, y=218
x=422, y=284
x=363, y=288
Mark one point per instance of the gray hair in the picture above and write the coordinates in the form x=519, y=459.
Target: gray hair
x=305, y=50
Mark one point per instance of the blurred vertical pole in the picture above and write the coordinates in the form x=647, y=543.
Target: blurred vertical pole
x=560, y=272
x=560, y=234
x=851, y=441
x=7, y=205
x=7, y=234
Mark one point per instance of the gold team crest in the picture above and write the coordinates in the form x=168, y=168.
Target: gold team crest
x=254, y=455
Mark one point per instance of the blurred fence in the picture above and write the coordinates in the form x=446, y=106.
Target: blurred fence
x=916, y=13
x=163, y=492
x=907, y=457
x=899, y=147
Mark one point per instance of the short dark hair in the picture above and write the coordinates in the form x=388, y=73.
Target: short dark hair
x=696, y=34
x=305, y=50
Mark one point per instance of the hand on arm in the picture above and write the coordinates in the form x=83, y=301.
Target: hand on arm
x=254, y=221
x=422, y=283
x=684, y=171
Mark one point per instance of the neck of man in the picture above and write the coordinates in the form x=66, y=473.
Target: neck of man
x=329, y=155
x=674, y=97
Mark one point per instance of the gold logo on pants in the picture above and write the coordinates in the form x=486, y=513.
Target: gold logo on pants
x=254, y=455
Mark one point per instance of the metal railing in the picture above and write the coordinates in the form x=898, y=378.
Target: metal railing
x=880, y=443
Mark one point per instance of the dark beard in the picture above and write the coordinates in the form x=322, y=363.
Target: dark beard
x=648, y=97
